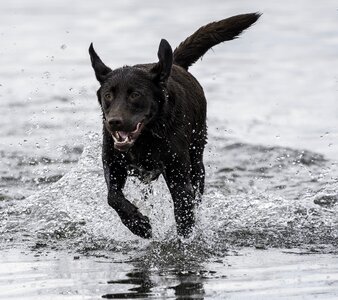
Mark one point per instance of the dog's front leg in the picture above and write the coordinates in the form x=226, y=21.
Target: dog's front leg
x=129, y=214
x=178, y=181
x=115, y=175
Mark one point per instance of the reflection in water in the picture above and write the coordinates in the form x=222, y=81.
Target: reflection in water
x=189, y=289
x=179, y=275
x=186, y=286
x=140, y=278
x=244, y=274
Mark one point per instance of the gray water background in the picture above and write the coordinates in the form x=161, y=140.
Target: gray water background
x=276, y=85
x=271, y=158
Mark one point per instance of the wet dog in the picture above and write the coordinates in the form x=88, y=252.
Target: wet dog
x=154, y=122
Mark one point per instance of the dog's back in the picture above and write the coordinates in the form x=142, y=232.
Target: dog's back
x=190, y=104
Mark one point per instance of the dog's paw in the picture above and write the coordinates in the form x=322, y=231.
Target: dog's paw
x=139, y=225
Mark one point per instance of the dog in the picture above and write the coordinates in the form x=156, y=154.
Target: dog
x=154, y=122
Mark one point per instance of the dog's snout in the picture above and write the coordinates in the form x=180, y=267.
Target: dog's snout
x=115, y=122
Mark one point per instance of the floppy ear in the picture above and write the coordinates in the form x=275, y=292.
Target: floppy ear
x=101, y=70
x=163, y=68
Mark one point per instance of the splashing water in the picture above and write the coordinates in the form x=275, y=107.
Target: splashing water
x=263, y=197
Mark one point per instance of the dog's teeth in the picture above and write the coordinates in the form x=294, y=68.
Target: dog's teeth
x=137, y=127
x=115, y=137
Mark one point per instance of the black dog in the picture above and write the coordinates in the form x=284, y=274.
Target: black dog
x=154, y=119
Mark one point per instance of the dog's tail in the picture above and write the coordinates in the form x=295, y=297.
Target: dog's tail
x=196, y=45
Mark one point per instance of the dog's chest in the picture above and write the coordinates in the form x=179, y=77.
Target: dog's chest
x=146, y=166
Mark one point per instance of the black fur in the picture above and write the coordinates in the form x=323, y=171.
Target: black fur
x=154, y=119
x=196, y=45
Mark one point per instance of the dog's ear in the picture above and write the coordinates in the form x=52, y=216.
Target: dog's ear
x=101, y=70
x=162, y=69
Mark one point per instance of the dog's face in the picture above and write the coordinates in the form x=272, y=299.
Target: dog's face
x=128, y=104
x=130, y=97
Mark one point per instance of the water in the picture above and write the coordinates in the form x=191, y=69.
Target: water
x=237, y=276
x=267, y=227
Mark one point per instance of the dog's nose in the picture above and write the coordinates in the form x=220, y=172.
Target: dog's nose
x=115, y=122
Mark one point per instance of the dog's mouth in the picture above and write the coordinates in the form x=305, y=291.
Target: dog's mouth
x=123, y=140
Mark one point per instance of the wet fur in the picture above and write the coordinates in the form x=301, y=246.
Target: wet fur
x=174, y=110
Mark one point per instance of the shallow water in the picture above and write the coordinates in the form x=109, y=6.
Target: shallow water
x=256, y=274
x=267, y=226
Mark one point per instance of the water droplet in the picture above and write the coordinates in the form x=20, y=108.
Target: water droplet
x=63, y=46
x=46, y=75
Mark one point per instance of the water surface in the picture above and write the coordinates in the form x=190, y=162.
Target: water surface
x=267, y=226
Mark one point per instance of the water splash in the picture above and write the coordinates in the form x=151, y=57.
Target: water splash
x=265, y=197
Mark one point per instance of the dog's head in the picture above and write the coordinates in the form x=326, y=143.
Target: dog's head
x=131, y=97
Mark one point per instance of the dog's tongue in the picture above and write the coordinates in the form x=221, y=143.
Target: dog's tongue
x=123, y=134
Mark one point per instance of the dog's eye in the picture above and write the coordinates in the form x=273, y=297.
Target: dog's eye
x=108, y=96
x=134, y=95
